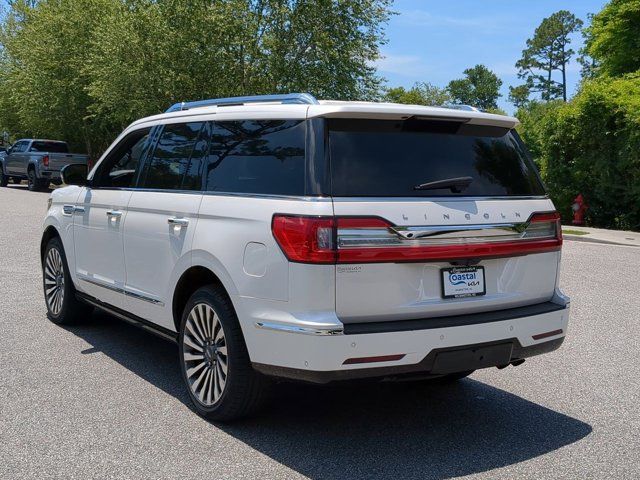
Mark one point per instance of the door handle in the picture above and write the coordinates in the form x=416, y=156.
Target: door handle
x=71, y=209
x=114, y=213
x=178, y=222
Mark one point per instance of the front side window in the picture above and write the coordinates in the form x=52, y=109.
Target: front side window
x=19, y=147
x=257, y=156
x=176, y=161
x=120, y=168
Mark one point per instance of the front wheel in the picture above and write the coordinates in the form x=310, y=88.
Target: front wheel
x=214, y=359
x=63, y=308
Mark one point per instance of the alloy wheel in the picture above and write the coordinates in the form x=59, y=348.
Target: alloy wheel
x=54, y=281
x=204, y=350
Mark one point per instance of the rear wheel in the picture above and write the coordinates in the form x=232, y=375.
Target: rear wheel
x=63, y=308
x=34, y=183
x=214, y=359
x=3, y=178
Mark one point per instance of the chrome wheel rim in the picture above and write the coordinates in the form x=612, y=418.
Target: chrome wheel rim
x=204, y=350
x=54, y=281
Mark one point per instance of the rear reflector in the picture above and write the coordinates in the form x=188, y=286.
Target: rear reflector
x=552, y=333
x=383, y=358
x=329, y=240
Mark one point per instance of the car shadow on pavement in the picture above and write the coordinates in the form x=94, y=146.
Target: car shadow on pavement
x=364, y=430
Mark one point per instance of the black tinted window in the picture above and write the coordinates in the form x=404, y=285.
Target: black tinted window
x=257, y=156
x=389, y=158
x=120, y=168
x=52, y=147
x=176, y=160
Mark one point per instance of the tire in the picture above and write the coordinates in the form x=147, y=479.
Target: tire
x=3, y=178
x=210, y=338
x=32, y=181
x=63, y=308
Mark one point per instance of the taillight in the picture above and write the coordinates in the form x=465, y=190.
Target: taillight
x=544, y=225
x=375, y=240
x=305, y=239
x=45, y=160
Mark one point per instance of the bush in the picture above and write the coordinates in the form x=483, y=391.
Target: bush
x=591, y=145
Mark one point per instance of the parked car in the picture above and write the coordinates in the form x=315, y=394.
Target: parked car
x=285, y=237
x=38, y=161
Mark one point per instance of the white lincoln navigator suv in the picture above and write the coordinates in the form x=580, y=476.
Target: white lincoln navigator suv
x=285, y=237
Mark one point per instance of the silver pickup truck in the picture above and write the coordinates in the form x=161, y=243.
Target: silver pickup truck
x=38, y=161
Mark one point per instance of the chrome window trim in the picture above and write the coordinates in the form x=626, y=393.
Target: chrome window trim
x=266, y=196
x=438, y=199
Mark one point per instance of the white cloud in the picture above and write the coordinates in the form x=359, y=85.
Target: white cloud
x=422, y=18
x=405, y=65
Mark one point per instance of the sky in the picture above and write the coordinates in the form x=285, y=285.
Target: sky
x=435, y=41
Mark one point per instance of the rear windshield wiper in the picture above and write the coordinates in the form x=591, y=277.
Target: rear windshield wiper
x=456, y=184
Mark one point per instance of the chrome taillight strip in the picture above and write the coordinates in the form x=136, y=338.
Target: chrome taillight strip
x=397, y=236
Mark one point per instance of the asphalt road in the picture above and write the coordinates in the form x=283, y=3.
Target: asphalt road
x=105, y=400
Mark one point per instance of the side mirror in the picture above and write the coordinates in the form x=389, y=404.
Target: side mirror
x=74, y=174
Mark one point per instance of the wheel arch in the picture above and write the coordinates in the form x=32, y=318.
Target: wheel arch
x=192, y=279
x=49, y=232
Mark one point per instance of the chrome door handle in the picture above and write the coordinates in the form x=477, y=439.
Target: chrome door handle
x=71, y=209
x=114, y=213
x=178, y=222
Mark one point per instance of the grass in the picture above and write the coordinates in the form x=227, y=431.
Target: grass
x=568, y=231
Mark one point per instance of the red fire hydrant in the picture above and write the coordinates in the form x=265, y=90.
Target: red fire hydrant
x=579, y=208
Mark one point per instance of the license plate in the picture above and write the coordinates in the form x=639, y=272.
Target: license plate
x=458, y=282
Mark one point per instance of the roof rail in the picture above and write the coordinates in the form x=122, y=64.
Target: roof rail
x=460, y=106
x=287, y=98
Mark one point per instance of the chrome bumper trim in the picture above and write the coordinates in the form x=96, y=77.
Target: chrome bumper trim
x=121, y=290
x=320, y=331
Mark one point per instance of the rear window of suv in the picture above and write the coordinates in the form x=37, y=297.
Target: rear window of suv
x=389, y=158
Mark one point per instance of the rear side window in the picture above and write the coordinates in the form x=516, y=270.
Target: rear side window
x=176, y=160
x=387, y=158
x=257, y=156
x=51, y=147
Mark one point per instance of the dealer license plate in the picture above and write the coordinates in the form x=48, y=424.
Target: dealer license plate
x=458, y=282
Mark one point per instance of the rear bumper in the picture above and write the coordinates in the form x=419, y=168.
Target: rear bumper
x=50, y=174
x=429, y=346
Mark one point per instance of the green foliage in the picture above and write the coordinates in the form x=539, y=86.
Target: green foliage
x=613, y=39
x=81, y=70
x=519, y=95
x=591, y=145
x=547, y=51
x=480, y=88
x=419, y=94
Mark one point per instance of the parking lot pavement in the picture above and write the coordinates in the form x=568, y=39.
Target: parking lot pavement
x=105, y=400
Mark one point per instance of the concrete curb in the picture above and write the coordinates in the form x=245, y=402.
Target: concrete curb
x=585, y=238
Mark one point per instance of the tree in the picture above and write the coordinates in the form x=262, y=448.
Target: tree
x=613, y=39
x=420, y=94
x=81, y=70
x=548, y=52
x=519, y=95
x=480, y=88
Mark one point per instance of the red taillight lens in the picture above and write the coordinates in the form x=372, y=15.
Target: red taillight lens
x=305, y=239
x=45, y=160
x=373, y=240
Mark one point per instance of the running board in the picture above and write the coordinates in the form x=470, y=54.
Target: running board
x=162, y=332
